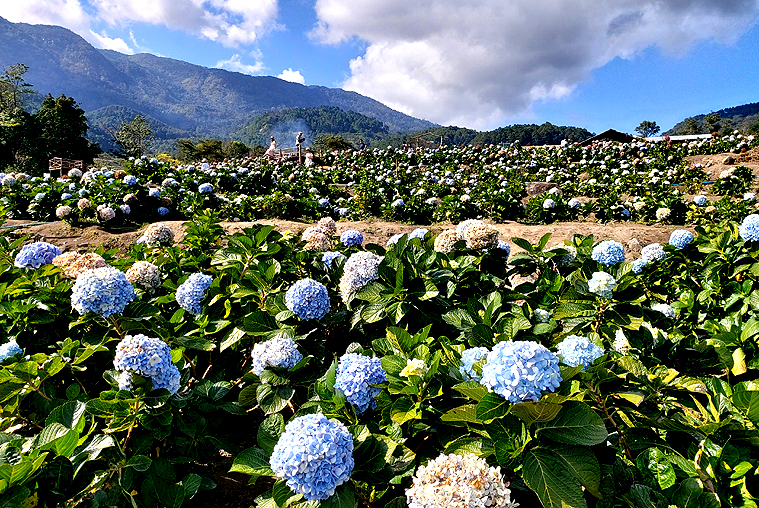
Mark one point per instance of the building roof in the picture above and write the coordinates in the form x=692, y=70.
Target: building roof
x=610, y=135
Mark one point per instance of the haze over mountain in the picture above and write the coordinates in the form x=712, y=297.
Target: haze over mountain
x=184, y=99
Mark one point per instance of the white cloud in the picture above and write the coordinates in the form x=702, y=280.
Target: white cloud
x=291, y=75
x=68, y=13
x=230, y=22
x=478, y=63
x=235, y=64
x=116, y=44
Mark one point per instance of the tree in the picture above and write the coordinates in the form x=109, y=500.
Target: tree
x=754, y=129
x=186, y=151
x=210, y=149
x=13, y=88
x=236, y=149
x=62, y=130
x=691, y=126
x=134, y=138
x=712, y=122
x=647, y=129
x=329, y=142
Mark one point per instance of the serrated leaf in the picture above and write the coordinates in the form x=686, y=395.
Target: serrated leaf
x=552, y=480
x=404, y=410
x=492, y=406
x=252, y=461
x=654, y=462
x=269, y=432
x=344, y=497
x=465, y=413
x=533, y=412
x=471, y=389
x=575, y=424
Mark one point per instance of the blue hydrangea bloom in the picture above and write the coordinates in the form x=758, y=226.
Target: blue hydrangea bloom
x=351, y=238
x=749, y=229
x=9, y=349
x=39, y=196
x=191, y=292
x=154, y=193
x=83, y=193
x=65, y=195
x=130, y=180
x=680, y=238
x=205, y=188
x=638, y=265
x=314, y=456
x=397, y=203
x=665, y=309
x=504, y=247
x=521, y=371
x=355, y=374
x=162, y=211
x=323, y=202
x=577, y=350
x=393, y=239
x=148, y=357
x=104, y=290
x=277, y=352
x=608, y=252
x=602, y=284
x=34, y=255
x=699, y=200
x=468, y=358
x=418, y=233
x=329, y=256
x=308, y=299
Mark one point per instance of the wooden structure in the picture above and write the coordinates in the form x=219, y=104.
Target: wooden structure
x=609, y=135
x=424, y=141
x=291, y=151
x=60, y=165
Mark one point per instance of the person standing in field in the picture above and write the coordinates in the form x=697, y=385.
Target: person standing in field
x=272, y=151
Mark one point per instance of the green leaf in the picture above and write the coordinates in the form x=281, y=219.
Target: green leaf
x=281, y=493
x=492, y=406
x=533, y=412
x=552, y=480
x=69, y=414
x=575, y=424
x=369, y=457
x=465, y=413
x=273, y=399
x=654, y=462
x=748, y=403
x=231, y=338
x=471, y=389
x=269, y=432
x=191, y=484
x=253, y=462
x=584, y=466
x=140, y=462
x=404, y=410
x=344, y=497
x=170, y=494
x=687, y=493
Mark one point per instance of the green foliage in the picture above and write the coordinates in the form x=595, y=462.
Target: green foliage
x=134, y=138
x=647, y=129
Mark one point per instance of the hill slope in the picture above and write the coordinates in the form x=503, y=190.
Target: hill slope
x=191, y=98
x=741, y=118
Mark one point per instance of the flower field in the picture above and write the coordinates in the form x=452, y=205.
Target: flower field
x=459, y=369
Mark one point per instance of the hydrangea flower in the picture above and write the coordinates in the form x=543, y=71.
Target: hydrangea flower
x=521, y=371
x=749, y=196
x=105, y=291
x=277, y=352
x=567, y=258
x=36, y=254
x=154, y=192
x=397, y=203
x=393, y=239
x=144, y=274
x=653, y=252
x=621, y=344
x=8, y=181
x=125, y=209
x=359, y=270
x=157, y=234
x=315, y=239
x=418, y=233
x=65, y=196
x=663, y=214
x=699, y=200
x=323, y=202
x=9, y=349
x=414, y=367
x=541, y=315
x=481, y=237
x=308, y=299
x=680, y=238
x=468, y=358
x=205, y=188
x=330, y=256
x=574, y=203
x=355, y=375
x=458, y=481
x=130, y=180
x=445, y=241
x=602, y=284
x=328, y=225
x=107, y=213
x=74, y=264
x=351, y=238
x=464, y=225
x=63, y=211
x=638, y=265
x=163, y=211
x=665, y=309
x=148, y=357
x=314, y=456
x=548, y=204
x=749, y=229
x=608, y=253
x=577, y=350
x=191, y=292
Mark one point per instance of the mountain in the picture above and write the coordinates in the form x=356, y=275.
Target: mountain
x=186, y=98
x=742, y=118
x=525, y=134
x=284, y=124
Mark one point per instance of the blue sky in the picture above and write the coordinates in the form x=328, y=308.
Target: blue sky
x=591, y=63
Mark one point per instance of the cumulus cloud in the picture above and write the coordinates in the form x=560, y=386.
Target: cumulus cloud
x=478, y=63
x=235, y=64
x=117, y=44
x=291, y=75
x=68, y=13
x=230, y=22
